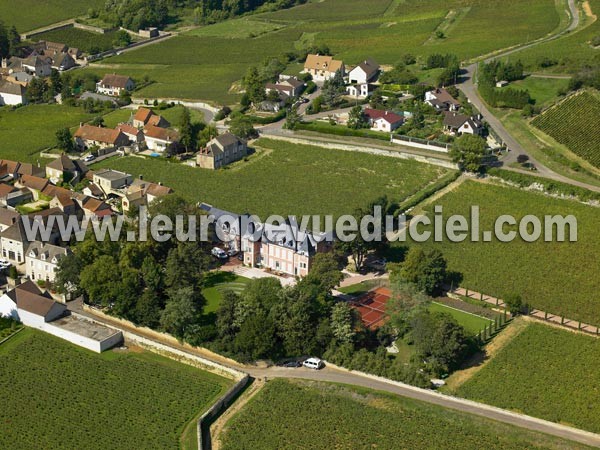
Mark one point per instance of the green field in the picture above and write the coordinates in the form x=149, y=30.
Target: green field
x=561, y=278
x=472, y=323
x=56, y=395
x=301, y=414
x=81, y=39
x=27, y=130
x=217, y=283
x=574, y=123
x=570, y=52
x=284, y=178
x=30, y=14
x=209, y=61
x=543, y=91
x=544, y=372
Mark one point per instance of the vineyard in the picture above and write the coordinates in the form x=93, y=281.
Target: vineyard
x=302, y=414
x=559, y=277
x=544, y=372
x=56, y=395
x=575, y=122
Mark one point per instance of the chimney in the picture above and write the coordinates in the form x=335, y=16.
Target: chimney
x=4, y=63
x=141, y=176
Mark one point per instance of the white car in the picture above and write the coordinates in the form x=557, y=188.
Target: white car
x=89, y=158
x=219, y=253
x=314, y=363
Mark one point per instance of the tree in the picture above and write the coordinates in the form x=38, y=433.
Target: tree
x=4, y=42
x=226, y=326
x=333, y=89
x=14, y=40
x=67, y=275
x=425, y=268
x=292, y=118
x=100, y=281
x=185, y=265
x=64, y=140
x=357, y=118
x=97, y=121
x=254, y=86
x=183, y=309
x=186, y=130
x=468, y=151
x=342, y=323
x=36, y=90
x=514, y=302
x=55, y=81
x=242, y=127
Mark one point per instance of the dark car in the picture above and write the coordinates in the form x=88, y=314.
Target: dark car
x=292, y=364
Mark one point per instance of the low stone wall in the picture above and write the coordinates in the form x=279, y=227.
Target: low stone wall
x=395, y=153
x=203, y=426
x=410, y=143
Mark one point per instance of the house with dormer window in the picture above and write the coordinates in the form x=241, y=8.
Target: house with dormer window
x=41, y=261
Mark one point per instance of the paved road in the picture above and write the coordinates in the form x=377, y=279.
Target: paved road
x=469, y=88
x=330, y=374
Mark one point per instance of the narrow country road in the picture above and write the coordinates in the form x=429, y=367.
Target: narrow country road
x=469, y=88
x=334, y=375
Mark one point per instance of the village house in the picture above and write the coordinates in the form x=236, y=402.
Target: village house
x=37, y=66
x=160, y=139
x=35, y=184
x=135, y=135
x=9, y=170
x=146, y=117
x=289, y=87
x=30, y=169
x=381, y=120
x=7, y=218
x=88, y=136
x=323, y=67
x=365, y=72
x=93, y=190
x=12, y=93
x=112, y=181
x=10, y=196
x=457, y=124
x=360, y=90
x=65, y=169
x=441, y=100
x=220, y=151
x=93, y=208
x=114, y=85
x=143, y=193
x=41, y=261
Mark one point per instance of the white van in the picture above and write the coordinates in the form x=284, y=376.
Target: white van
x=313, y=363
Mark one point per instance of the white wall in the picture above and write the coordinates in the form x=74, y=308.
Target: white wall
x=10, y=99
x=8, y=308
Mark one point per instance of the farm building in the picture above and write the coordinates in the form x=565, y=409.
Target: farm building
x=36, y=309
x=114, y=85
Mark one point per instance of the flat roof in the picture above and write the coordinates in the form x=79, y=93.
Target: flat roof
x=85, y=328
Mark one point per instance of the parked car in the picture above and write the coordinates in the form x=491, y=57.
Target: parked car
x=89, y=158
x=232, y=252
x=219, y=253
x=314, y=363
x=292, y=364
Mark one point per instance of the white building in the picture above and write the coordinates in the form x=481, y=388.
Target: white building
x=41, y=261
x=364, y=72
x=113, y=85
x=12, y=93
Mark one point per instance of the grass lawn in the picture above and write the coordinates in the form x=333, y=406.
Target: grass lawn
x=301, y=414
x=31, y=14
x=359, y=289
x=544, y=91
x=8, y=327
x=29, y=129
x=544, y=372
x=559, y=277
x=57, y=395
x=472, y=323
x=217, y=283
x=284, y=178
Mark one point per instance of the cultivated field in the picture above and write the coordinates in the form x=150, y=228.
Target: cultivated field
x=84, y=40
x=208, y=60
x=564, y=123
x=26, y=131
x=30, y=14
x=56, y=395
x=570, y=52
x=561, y=278
x=302, y=414
x=284, y=178
x=543, y=372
